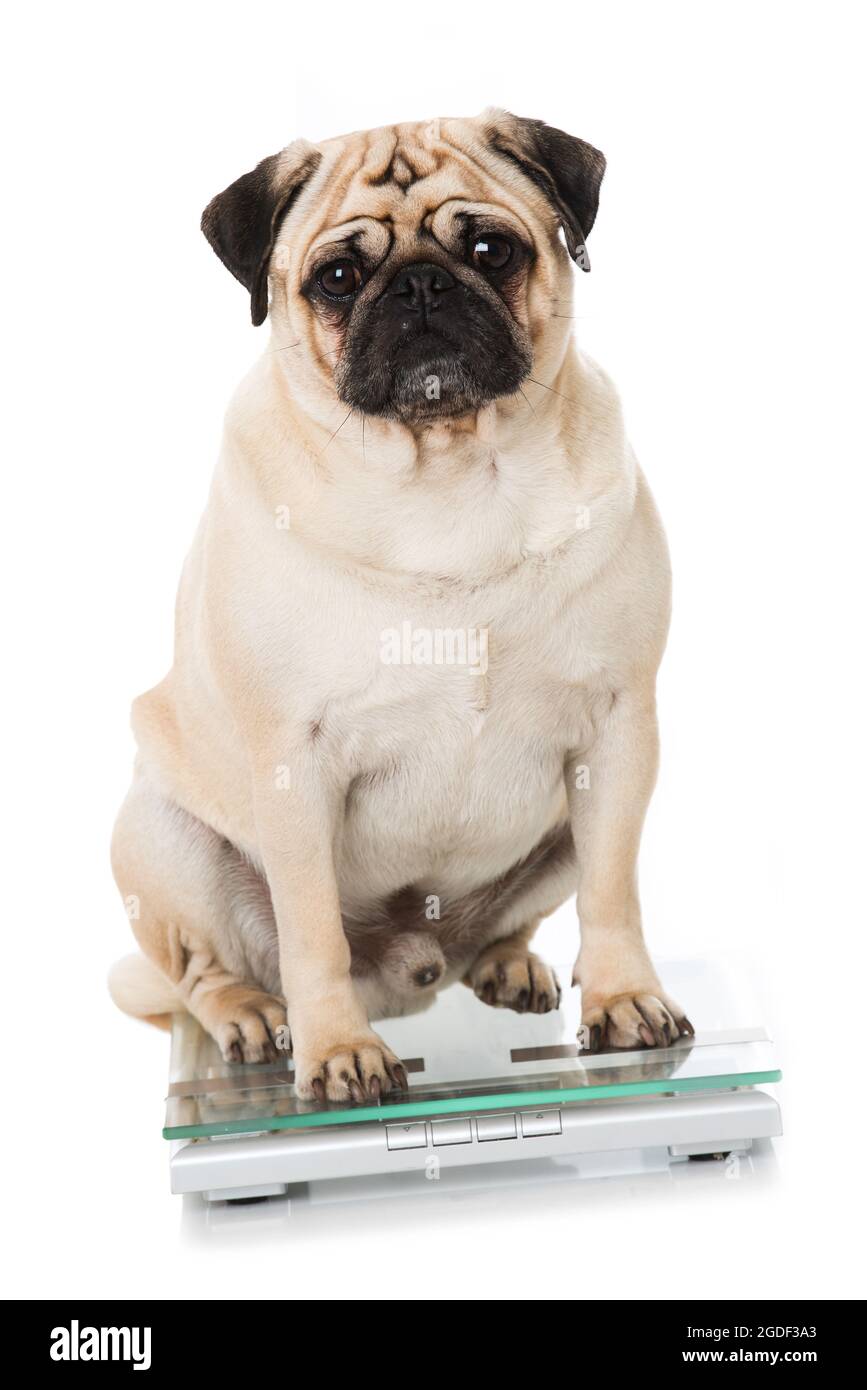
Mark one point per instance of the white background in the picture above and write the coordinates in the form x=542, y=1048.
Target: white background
x=727, y=300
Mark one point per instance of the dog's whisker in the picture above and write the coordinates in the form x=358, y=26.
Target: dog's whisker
x=551, y=389
x=335, y=434
x=334, y=352
x=526, y=398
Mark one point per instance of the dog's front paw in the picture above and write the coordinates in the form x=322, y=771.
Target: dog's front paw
x=523, y=983
x=360, y=1069
x=633, y=1020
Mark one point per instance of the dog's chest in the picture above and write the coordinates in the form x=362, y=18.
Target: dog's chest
x=453, y=720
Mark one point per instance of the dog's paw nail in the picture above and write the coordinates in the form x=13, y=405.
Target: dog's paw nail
x=631, y=1020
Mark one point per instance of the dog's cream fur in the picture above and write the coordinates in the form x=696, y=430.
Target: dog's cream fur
x=289, y=779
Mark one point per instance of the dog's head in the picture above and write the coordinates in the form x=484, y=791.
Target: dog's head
x=415, y=267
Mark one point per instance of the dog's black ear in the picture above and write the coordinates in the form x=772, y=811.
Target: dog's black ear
x=242, y=222
x=566, y=169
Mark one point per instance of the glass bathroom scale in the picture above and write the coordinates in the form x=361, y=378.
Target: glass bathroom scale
x=477, y=1075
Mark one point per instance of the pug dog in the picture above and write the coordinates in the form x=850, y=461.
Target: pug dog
x=412, y=706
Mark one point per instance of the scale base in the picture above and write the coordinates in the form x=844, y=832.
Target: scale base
x=635, y=1134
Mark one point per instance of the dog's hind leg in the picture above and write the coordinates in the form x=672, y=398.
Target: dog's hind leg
x=508, y=975
x=178, y=879
x=504, y=972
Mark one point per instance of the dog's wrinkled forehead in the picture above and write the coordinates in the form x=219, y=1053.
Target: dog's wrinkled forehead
x=389, y=185
x=398, y=157
x=398, y=171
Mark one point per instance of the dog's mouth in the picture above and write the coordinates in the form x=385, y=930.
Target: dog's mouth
x=446, y=365
x=432, y=378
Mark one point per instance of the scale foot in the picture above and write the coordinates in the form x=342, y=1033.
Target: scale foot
x=245, y=1196
x=718, y=1149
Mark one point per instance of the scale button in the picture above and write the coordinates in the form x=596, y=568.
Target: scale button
x=497, y=1127
x=405, y=1136
x=451, y=1132
x=534, y=1122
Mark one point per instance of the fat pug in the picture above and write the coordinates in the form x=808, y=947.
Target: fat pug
x=412, y=704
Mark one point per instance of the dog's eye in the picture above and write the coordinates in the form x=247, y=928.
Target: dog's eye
x=491, y=252
x=340, y=278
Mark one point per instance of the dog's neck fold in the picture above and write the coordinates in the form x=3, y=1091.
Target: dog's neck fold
x=465, y=500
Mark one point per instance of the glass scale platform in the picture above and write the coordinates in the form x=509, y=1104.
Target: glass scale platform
x=485, y=1086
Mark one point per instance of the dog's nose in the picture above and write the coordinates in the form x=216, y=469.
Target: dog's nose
x=421, y=287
